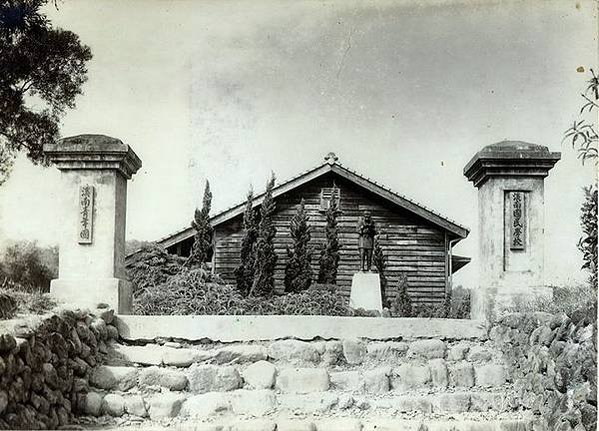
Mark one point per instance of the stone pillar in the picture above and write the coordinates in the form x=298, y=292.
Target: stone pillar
x=509, y=176
x=94, y=173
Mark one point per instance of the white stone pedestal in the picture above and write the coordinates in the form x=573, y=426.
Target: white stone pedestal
x=509, y=176
x=366, y=292
x=94, y=171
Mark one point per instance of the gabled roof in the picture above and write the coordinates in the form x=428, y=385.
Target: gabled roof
x=330, y=164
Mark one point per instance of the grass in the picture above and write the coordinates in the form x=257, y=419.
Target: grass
x=579, y=299
x=13, y=302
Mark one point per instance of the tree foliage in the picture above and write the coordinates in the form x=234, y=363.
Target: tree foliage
x=38, y=63
x=329, y=256
x=402, y=304
x=588, y=243
x=244, y=273
x=27, y=266
x=202, y=242
x=298, y=271
x=379, y=260
x=266, y=258
x=583, y=134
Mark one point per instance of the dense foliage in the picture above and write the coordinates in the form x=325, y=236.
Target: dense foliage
x=588, y=243
x=36, y=60
x=151, y=266
x=266, y=258
x=244, y=273
x=202, y=240
x=195, y=291
x=401, y=306
x=379, y=262
x=329, y=256
x=27, y=266
x=298, y=271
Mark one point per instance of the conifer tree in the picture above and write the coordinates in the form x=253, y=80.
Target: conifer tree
x=244, y=273
x=204, y=232
x=329, y=256
x=298, y=271
x=266, y=259
x=402, y=304
x=379, y=261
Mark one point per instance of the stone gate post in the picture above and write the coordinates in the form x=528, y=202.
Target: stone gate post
x=94, y=173
x=509, y=176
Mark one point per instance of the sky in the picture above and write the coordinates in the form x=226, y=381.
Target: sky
x=404, y=92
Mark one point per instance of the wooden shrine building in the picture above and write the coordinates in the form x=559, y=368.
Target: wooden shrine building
x=415, y=240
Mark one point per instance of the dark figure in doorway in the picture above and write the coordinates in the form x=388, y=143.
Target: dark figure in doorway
x=367, y=231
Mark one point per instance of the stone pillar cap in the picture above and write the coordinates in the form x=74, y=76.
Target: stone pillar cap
x=83, y=152
x=510, y=158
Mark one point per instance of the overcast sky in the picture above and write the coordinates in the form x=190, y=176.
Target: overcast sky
x=403, y=93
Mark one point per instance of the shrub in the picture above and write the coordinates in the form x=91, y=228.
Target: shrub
x=578, y=299
x=151, y=266
x=588, y=243
x=195, y=291
x=202, y=243
x=298, y=271
x=329, y=256
x=244, y=273
x=29, y=267
x=460, y=303
x=379, y=261
x=266, y=258
x=401, y=306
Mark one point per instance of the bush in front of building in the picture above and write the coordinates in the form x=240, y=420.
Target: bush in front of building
x=329, y=256
x=266, y=258
x=298, y=271
x=204, y=232
x=151, y=266
x=198, y=292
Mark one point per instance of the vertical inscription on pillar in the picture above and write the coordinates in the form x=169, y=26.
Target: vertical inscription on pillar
x=517, y=221
x=86, y=214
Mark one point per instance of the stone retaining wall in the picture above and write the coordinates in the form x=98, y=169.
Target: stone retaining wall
x=553, y=359
x=292, y=378
x=45, y=363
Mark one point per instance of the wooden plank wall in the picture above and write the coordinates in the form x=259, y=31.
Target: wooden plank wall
x=411, y=244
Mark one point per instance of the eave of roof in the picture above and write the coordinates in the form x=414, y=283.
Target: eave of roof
x=330, y=165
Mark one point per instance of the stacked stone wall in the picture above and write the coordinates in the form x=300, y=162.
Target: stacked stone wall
x=45, y=364
x=350, y=379
x=553, y=361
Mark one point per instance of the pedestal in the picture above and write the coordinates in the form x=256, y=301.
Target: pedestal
x=366, y=292
x=509, y=176
x=94, y=173
x=91, y=292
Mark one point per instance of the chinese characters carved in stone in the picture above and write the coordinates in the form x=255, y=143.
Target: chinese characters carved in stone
x=517, y=221
x=86, y=213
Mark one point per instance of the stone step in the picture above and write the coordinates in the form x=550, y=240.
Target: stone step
x=522, y=423
x=434, y=375
x=265, y=402
x=305, y=353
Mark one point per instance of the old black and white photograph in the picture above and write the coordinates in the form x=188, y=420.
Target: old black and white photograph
x=298, y=215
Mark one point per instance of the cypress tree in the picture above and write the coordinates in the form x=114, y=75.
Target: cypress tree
x=379, y=261
x=402, y=304
x=204, y=232
x=329, y=256
x=298, y=271
x=244, y=273
x=266, y=259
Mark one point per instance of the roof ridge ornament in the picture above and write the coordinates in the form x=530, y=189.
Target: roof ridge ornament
x=331, y=158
